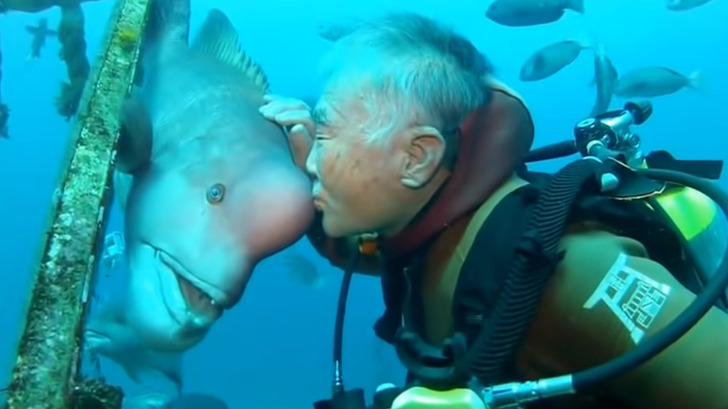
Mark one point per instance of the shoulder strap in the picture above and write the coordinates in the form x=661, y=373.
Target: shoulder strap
x=394, y=283
x=478, y=220
x=442, y=264
x=483, y=255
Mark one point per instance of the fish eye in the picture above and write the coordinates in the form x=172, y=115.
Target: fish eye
x=216, y=193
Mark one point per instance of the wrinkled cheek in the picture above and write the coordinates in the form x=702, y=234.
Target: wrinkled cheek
x=328, y=164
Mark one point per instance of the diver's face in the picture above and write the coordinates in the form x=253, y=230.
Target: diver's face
x=354, y=180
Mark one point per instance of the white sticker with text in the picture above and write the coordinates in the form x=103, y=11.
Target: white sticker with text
x=634, y=298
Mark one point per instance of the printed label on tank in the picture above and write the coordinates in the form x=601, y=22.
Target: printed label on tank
x=632, y=296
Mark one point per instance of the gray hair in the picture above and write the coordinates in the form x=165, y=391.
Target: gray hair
x=422, y=72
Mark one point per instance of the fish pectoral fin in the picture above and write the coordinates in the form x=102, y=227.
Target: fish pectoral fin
x=131, y=371
x=593, y=81
x=31, y=29
x=122, y=186
x=135, y=137
x=219, y=39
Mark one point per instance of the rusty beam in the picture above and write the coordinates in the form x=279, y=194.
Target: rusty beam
x=46, y=373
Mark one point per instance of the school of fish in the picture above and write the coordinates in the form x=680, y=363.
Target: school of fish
x=642, y=82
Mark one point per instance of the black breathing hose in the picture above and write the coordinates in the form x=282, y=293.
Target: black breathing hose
x=715, y=289
x=339, y=326
x=521, y=292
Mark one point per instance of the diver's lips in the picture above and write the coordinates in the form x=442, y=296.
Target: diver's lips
x=200, y=299
x=317, y=202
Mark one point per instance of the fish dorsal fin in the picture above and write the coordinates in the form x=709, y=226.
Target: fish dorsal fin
x=219, y=39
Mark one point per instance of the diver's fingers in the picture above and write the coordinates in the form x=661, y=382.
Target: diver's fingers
x=274, y=109
x=275, y=105
x=273, y=97
x=298, y=117
x=300, y=142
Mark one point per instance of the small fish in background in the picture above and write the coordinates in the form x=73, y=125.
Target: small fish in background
x=39, y=34
x=516, y=13
x=108, y=334
x=682, y=5
x=551, y=59
x=334, y=31
x=650, y=82
x=155, y=400
x=605, y=80
x=302, y=269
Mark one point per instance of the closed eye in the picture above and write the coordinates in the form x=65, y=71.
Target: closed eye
x=319, y=117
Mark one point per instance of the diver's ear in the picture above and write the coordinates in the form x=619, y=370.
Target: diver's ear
x=425, y=149
x=135, y=137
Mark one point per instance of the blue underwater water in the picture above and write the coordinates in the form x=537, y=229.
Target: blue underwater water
x=274, y=348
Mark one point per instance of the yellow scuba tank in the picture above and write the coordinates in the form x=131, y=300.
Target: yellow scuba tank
x=691, y=211
x=699, y=220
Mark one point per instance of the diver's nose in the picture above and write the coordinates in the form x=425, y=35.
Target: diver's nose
x=312, y=161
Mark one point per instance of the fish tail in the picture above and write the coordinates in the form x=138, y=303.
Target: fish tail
x=576, y=5
x=585, y=42
x=588, y=38
x=695, y=80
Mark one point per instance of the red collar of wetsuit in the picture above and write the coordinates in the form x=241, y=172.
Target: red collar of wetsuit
x=493, y=141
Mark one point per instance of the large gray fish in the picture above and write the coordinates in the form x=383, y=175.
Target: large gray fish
x=681, y=5
x=108, y=334
x=551, y=59
x=516, y=13
x=39, y=34
x=649, y=82
x=334, y=31
x=208, y=186
x=605, y=80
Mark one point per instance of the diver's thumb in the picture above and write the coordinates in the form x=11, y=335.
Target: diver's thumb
x=300, y=141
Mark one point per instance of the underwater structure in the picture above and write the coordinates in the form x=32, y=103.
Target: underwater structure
x=35, y=6
x=47, y=372
x=4, y=110
x=71, y=34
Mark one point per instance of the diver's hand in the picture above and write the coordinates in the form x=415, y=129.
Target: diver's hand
x=295, y=117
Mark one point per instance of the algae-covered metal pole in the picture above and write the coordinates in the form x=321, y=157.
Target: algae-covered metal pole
x=47, y=370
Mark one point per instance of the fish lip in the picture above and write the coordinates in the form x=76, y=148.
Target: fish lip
x=218, y=297
x=94, y=334
x=92, y=339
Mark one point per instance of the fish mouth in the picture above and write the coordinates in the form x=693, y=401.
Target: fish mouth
x=93, y=339
x=199, y=296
